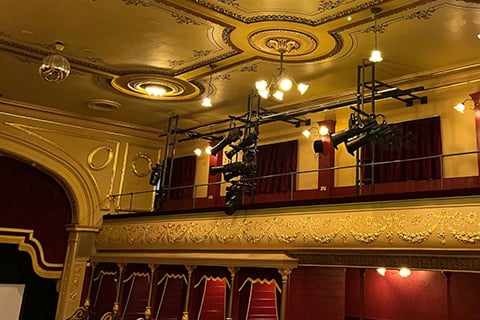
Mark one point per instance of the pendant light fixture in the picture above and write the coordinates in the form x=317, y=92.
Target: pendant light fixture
x=280, y=82
x=376, y=55
x=207, y=102
x=55, y=68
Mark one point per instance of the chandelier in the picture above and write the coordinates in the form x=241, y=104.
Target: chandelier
x=280, y=82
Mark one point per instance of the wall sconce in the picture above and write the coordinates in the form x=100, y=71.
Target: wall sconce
x=474, y=97
x=381, y=271
x=322, y=131
x=402, y=272
x=55, y=68
x=198, y=151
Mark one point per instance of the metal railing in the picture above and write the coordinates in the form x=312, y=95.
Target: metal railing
x=117, y=199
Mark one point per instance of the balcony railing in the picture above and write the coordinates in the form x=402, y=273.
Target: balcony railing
x=337, y=189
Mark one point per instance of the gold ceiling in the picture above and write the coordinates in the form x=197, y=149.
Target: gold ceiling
x=116, y=48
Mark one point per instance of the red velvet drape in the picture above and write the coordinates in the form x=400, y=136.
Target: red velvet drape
x=411, y=139
x=31, y=199
x=275, y=159
x=183, y=174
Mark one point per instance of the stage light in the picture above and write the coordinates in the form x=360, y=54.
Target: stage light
x=232, y=170
x=378, y=132
x=337, y=138
x=233, y=198
x=156, y=174
x=233, y=136
x=249, y=140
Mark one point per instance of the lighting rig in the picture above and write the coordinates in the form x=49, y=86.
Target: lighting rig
x=242, y=165
x=362, y=129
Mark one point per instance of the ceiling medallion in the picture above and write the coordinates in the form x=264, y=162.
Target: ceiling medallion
x=156, y=87
x=270, y=41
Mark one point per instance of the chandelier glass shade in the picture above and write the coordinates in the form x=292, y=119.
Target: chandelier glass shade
x=280, y=82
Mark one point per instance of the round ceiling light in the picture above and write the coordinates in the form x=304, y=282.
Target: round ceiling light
x=155, y=87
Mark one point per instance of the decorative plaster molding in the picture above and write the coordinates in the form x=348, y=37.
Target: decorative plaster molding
x=387, y=228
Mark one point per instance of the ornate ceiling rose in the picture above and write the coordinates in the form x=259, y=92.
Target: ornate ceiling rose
x=156, y=87
x=291, y=42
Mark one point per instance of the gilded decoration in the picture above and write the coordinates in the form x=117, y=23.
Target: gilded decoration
x=396, y=228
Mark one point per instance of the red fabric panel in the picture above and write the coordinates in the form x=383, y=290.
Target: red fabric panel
x=316, y=293
x=464, y=293
x=183, y=174
x=104, y=289
x=135, y=287
x=422, y=295
x=31, y=199
x=214, y=300
x=170, y=291
x=411, y=139
x=275, y=159
x=263, y=301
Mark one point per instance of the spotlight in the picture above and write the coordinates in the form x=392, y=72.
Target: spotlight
x=380, y=131
x=233, y=170
x=353, y=130
x=245, y=143
x=233, y=136
x=233, y=198
x=156, y=174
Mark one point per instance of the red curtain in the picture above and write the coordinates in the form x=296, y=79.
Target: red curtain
x=411, y=139
x=274, y=159
x=183, y=174
x=31, y=199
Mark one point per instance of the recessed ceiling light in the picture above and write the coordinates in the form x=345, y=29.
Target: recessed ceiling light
x=103, y=105
x=349, y=18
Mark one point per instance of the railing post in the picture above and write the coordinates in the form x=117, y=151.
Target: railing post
x=194, y=195
x=441, y=171
x=291, y=185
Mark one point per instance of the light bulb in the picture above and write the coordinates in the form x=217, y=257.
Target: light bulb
x=206, y=102
x=460, y=107
x=263, y=93
x=306, y=133
x=302, y=88
x=208, y=150
x=376, y=56
x=261, y=85
x=156, y=91
x=278, y=95
x=198, y=152
x=324, y=131
x=404, y=272
x=285, y=84
x=55, y=68
x=381, y=271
